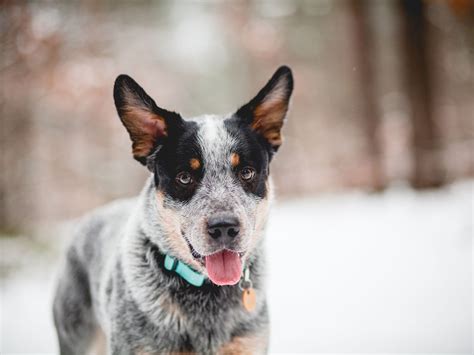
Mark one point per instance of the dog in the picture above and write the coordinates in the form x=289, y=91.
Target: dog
x=180, y=268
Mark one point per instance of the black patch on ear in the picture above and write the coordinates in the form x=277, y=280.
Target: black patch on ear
x=148, y=125
x=266, y=112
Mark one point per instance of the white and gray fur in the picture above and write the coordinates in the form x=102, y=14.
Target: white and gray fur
x=112, y=281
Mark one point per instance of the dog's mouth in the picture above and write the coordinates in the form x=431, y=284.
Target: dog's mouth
x=223, y=267
x=198, y=257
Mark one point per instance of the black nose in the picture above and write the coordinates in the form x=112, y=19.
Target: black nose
x=223, y=225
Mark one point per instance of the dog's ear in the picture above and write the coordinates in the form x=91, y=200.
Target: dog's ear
x=147, y=124
x=266, y=112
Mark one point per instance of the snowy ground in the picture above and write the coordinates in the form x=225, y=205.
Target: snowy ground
x=388, y=273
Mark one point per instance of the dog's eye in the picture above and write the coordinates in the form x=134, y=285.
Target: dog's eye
x=247, y=174
x=184, y=178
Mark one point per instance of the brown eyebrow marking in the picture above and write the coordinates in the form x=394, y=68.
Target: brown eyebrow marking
x=234, y=159
x=195, y=163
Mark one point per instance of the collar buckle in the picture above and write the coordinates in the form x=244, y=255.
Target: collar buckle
x=186, y=272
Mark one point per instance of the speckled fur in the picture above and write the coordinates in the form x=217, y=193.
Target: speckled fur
x=112, y=282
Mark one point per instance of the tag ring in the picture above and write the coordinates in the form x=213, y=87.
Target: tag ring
x=245, y=284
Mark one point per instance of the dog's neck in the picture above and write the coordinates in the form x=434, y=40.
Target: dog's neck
x=172, y=266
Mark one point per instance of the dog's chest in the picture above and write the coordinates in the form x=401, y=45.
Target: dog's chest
x=187, y=319
x=201, y=320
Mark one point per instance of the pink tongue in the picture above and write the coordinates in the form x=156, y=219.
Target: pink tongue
x=224, y=267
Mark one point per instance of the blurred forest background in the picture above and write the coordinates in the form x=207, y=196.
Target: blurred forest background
x=375, y=178
x=383, y=95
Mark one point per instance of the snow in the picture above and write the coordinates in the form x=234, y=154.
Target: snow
x=355, y=272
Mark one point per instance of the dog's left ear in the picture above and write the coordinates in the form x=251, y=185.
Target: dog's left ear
x=266, y=112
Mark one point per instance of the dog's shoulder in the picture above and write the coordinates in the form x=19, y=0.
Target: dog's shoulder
x=115, y=212
x=100, y=229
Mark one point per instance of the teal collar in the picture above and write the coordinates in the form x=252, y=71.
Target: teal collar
x=186, y=272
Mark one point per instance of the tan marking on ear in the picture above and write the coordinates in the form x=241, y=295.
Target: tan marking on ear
x=268, y=120
x=195, y=163
x=251, y=344
x=234, y=159
x=144, y=128
x=171, y=223
x=143, y=125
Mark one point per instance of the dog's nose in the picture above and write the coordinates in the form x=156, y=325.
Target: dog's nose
x=223, y=225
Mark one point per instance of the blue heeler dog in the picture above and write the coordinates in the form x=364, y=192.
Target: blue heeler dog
x=180, y=268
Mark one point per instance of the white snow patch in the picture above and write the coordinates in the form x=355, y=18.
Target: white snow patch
x=382, y=273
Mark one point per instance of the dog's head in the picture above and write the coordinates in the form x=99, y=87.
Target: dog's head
x=210, y=172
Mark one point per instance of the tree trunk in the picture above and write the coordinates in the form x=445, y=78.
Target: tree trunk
x=427, y=166
x=364, y=62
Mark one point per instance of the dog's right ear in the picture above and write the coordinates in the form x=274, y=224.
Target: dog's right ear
x=147, y=124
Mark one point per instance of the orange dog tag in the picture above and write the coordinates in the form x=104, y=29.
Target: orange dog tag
x=249, y=299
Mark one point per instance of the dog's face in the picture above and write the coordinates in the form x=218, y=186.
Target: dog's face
x=211, y=172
